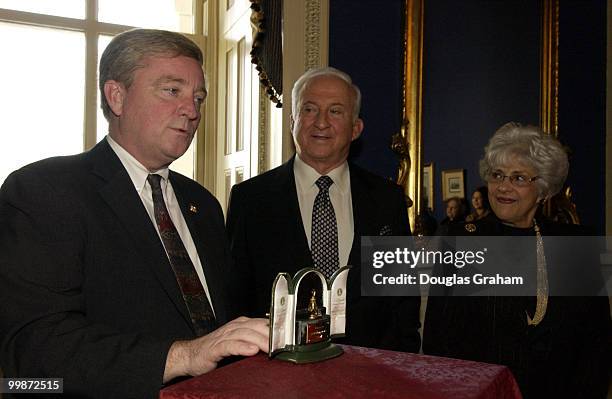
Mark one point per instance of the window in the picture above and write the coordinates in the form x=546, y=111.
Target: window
x=53, y=104
x=36, y=103
x=246, y=119
x=238, y=100
x=50, y=100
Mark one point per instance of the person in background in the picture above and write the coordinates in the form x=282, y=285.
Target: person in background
x=480, y=204
x=313, y=210
x=556, y=346
x=455, y=215
x=454, y=211
x=113, y=269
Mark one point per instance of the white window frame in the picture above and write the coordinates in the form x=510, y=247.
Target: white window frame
x=301, y=19
x=92, y=29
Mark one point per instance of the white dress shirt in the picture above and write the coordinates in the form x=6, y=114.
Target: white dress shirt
x=138, y=173
x=341, y=199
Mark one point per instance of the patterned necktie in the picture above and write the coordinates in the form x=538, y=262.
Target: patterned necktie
x=324, y=238
x=199, y=308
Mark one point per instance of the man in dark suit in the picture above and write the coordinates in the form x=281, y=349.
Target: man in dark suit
x=113, y=268
x=272, y=218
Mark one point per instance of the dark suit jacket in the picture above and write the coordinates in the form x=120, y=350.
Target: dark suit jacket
x=267, y=237
x=86, y=289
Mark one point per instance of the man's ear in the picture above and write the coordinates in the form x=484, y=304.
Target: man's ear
x=115, y=94
x=357, y=128
x=291, y=123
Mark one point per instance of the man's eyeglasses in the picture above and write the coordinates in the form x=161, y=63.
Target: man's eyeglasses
x=515, y=179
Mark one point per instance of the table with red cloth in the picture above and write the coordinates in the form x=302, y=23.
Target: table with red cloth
x=358, y=373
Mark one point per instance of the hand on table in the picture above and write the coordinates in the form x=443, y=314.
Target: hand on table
x=242, y=337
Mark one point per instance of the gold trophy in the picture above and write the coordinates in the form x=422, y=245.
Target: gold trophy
x=311, y=324
x=304, y=335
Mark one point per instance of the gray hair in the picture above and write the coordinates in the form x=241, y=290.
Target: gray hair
x=127, y=50
x=308, y=76
x=532, y=147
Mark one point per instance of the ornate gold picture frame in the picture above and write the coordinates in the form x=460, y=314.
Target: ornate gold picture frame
x=428, y=186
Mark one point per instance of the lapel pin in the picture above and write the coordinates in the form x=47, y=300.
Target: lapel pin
x=470, y=227
x=193, y=208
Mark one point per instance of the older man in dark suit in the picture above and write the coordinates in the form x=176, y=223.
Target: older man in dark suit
x=113, y=268
x=313, y=210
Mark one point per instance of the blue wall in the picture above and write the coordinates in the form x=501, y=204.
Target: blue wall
x=582, y=104
x=481, y=70
x=366, y=41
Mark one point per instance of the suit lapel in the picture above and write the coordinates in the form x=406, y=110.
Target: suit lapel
x=287, y=199
x=120, y=195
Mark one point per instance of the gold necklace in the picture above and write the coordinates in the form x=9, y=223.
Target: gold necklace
x=542, y=285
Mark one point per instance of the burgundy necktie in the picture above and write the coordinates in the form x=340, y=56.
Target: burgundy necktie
x=199, y=308
x=324, y=236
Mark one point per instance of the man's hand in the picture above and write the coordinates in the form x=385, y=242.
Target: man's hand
x=241, y=336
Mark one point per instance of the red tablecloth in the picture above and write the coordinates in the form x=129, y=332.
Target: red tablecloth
x=358, y=373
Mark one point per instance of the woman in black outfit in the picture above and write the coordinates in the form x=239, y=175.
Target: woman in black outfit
x=556, y=346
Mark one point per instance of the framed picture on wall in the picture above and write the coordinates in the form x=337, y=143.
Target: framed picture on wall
x=428, y=186
x=453, y=183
